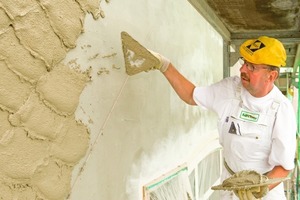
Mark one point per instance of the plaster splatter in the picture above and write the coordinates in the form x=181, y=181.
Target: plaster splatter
x=91, y=6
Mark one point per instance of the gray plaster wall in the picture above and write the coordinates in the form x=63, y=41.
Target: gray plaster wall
x=139, y=127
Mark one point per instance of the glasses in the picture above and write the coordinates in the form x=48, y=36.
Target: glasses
x=250, y=66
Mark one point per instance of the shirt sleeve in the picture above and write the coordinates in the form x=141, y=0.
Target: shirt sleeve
x=211, y=97
x=203, y=96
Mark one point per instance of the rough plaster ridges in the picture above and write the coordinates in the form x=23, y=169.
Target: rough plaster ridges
x=40, y=140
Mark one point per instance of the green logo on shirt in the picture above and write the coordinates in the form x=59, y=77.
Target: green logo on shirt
x=249, y=116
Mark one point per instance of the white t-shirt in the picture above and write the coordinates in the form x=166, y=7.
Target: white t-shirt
x=218, y=97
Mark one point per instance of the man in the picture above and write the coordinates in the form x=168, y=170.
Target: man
x=256, y=123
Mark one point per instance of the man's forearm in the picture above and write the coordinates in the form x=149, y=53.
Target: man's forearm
x=277, y=172
x=183, y=87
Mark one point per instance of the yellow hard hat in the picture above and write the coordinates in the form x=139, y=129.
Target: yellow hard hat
x=264, y=50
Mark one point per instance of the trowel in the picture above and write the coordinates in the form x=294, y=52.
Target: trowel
x=245, y=180
x=137, y=57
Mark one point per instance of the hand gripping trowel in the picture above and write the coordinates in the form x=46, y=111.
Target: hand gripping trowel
x=137, y=58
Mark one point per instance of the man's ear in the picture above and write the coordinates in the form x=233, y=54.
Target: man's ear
x=273, y=75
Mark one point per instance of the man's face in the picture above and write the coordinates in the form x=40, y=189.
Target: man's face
x=255, y=78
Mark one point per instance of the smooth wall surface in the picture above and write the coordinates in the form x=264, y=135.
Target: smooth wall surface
x=139, y=128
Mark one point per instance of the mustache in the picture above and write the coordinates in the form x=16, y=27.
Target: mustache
x=244, y=76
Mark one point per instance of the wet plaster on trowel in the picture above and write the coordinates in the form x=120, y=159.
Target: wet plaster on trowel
x=137, y=58
x=247, y=180
x=40, y=139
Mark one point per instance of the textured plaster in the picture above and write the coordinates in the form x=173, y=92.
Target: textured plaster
x=40, y=139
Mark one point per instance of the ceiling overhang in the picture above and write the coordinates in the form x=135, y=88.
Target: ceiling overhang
x=239, y=20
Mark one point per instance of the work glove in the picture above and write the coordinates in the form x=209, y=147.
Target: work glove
x=248, y=184
x=163, y=61
x=263, y=190
x=244, y=194
x=252, y=193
